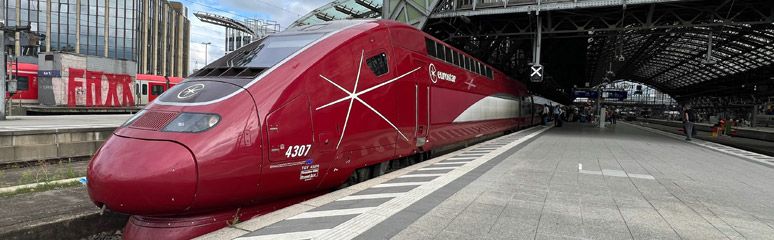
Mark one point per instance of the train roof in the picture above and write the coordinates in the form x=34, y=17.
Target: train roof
x=156, y=78
x=23, y=66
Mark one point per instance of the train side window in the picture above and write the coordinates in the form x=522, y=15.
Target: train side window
x=457, y=59
x=441, y=50
x=430, y=47
x=22, y=83
x=144, y=89
x=157, y=90
x=489, y=73
x=449, y=56
x=378, y=64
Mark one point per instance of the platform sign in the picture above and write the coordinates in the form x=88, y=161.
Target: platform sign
x=585, y=94
x=537, y=73
x=49, y=73
x=620, y=95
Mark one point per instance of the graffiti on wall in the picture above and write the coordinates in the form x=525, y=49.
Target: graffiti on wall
x=99, y=89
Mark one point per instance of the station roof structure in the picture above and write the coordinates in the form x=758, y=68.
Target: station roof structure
x=341, y=9
x=661, y=43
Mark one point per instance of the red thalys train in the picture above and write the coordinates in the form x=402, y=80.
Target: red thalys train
x=294, y=115
x=147, y=87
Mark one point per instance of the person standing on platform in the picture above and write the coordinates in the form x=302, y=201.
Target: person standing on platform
x=544, y=115
x=613, y=116
x=690, y=118
x=558, y=116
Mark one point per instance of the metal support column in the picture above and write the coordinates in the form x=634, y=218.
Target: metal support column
x=601, y=116
x=2, y=53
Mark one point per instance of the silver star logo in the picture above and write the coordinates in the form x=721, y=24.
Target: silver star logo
x=433, y=75
x=190, y=91
x=355, y=96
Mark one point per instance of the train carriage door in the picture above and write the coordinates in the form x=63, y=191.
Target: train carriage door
x=422, y=103
x=291, y=166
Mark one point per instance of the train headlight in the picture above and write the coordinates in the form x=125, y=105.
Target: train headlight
x=134, y=118
x=192, y=122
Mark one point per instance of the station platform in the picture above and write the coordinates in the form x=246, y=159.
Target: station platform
x=574, y=182
x=27, y=123
x=757, y=133
x=26, y=139
x=749, y=144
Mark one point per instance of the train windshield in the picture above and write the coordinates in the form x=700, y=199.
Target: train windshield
x=269, y=51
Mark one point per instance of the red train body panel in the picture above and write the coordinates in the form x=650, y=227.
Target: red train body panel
x=148, y=87
x=253, y=132
x=27, y=82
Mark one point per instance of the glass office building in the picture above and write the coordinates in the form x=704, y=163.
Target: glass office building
x=154, y=33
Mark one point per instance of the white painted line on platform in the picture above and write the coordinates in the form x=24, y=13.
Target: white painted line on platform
x=643, y=176
x=614, y=173
x=460, y=158
x=477, y=152
x=287, y=236
x=369, y=196
x=450, y=163
x=363, y=222
x=437, y=168
x=422, y=175
x=590, y=172
x=401, y=184
x=329, y=213
x=486, y=148
x=471, y=154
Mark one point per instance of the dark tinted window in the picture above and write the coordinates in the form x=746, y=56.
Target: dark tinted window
x=441, y=50
x=449, y=55
x=489, y=73
x=22, y=83
x=430, y=47
x=198, y=91
x=378, y=64
x=267, y=52
x=144, y=89
x=456, y=58
x=157, y=90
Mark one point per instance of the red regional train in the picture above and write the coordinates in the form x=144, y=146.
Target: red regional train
x=147, y=87
x=292, y=116
x=27, y=82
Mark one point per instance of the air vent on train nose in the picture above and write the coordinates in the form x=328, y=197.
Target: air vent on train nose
x=240, y=72
x=154, y=120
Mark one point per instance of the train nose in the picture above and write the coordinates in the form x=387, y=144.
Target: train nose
x=142, y=177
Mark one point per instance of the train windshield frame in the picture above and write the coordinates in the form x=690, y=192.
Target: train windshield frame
x=268, y=52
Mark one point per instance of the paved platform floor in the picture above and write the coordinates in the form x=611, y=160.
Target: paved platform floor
x=23, y=123
x=754, y=145
x=574, y=182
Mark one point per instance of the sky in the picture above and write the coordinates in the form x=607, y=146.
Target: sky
x=283, y=12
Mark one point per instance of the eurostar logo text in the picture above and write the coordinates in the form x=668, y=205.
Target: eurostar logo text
x=435, y=75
